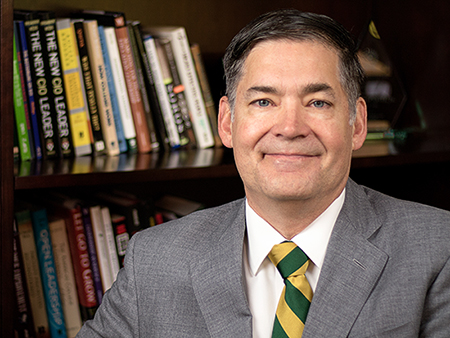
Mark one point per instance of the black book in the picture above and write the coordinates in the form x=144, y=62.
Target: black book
x=151, y=91
x=155, y=140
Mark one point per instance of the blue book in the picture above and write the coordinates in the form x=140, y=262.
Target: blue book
x=29, y=86
x=52, y=297
x=112, y=92
x=92, y=253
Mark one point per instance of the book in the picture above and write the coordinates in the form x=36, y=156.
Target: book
x=121, y=89
x=57, y=326
x=55, y=84
x=66, y=277
x=74, y=87
x=90, y=240
x=184, y=130
x=47, y=129
x=69, y=209
x=121, y=236
x=178, y=89
x=161, y=91
x=23, y=319
x=32, y=272
x=101, y=87
x=181, y=50
x=134, y=35
x=161, y=133
x=117, y=20
x=93, y=118
x=136, y=213
x=110, y=243
x=19, y=106
x=101, y=246
x=29, y=88
x=112, y=92
x=206, y=91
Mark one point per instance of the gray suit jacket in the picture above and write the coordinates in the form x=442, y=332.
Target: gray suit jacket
x=386, y=274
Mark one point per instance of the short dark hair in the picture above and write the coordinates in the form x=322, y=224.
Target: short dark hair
x=292, y=24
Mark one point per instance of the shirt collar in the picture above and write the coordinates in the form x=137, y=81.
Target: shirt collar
x=313, y=240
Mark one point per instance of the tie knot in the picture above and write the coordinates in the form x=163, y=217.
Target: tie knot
x=289, y=259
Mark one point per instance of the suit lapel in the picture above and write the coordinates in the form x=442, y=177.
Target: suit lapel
x=350, y=271
x=218, y=281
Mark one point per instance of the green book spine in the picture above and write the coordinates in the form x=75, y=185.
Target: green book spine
x=19, y=109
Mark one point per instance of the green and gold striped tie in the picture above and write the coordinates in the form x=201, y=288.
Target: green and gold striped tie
x=297, y=294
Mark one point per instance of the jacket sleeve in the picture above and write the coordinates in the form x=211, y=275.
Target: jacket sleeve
x=436, y=312
x=117, y=314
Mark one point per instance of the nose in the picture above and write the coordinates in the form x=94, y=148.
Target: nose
x=291, y=121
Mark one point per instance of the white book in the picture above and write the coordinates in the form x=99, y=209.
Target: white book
x=119, y=81
x=101, y=86
x=110, y=243
x=161, y=91
x=188, y=75
x=100, y=245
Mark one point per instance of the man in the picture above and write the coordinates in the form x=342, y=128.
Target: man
x=378, y=267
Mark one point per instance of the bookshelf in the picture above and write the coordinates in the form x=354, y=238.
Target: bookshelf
x=418, y=170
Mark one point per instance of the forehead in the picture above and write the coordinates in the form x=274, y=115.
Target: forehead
x=284, y=59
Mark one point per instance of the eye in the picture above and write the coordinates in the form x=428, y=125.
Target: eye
x=262, y=103
x=320, y=104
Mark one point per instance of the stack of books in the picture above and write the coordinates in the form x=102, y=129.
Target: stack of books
x=96, y=84
x=68, y=251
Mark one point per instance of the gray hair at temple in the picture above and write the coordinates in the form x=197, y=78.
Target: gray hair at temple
x=291, y=24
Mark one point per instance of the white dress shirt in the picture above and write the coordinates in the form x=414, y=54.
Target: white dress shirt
x=264, y=282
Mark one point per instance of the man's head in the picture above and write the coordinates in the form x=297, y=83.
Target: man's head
x=294, y=25
x=287, y=114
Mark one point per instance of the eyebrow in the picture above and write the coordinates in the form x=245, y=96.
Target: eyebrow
x=261, y=89
x=310, y=88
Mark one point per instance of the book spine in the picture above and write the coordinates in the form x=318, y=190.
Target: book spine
x=66, y=278
x=163, y=99
x=134, y=94
x=58, y=104
x=183, y=131
x=47, y=128
x=23, y=325
x=29, y=90
x=32, y=273
x=19, y=108
x=112, y=92
x=100, y=245
x=163, y=140
x=76, y=99
x=81, y=265
x=206, y=91
x=48, y=273
x=179, y=90
x=121, y=236
x=133, y=31
x=110, y=243
x=121, y=89
x=101, y=87
x=95, y=128
x=92, y=253
x=185, y=63
x=23, y=85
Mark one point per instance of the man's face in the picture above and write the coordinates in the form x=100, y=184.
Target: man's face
x=291, y=134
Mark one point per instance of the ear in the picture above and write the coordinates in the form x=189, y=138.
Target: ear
x=360, y=124
x=224, y=122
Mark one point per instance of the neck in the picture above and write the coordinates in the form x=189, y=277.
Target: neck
x=290, y=217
